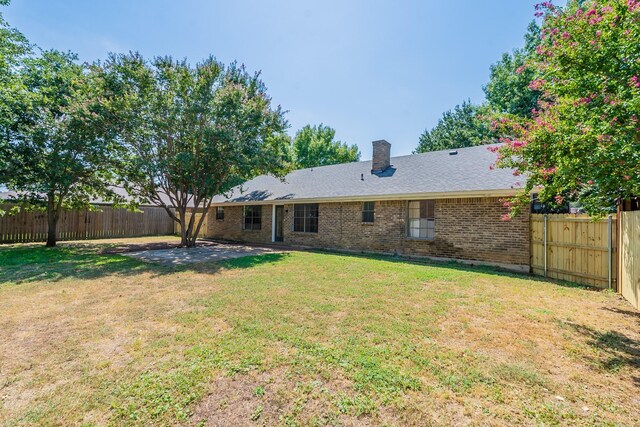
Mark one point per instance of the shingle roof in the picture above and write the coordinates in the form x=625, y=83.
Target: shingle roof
x=436, y=172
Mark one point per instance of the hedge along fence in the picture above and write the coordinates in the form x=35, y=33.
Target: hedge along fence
x=107, y=221
x=574, y=248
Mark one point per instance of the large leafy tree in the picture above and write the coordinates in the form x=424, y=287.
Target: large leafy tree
x=464, y=126
x=60, y=146
x=192, y=132
x=583, y=142
x=508, y=89
x=316, y=146
x=14, y=47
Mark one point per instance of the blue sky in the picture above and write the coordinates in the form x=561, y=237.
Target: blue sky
x=370, y=69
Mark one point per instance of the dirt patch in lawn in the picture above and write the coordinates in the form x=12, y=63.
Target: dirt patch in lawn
x=243, y=399
x=279, y=397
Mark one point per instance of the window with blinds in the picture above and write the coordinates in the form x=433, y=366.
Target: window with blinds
x=421, y=220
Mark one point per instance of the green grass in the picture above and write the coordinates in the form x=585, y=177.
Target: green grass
x=37, y=263
x=305, y=338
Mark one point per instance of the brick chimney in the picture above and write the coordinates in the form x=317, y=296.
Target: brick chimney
x=381, y=156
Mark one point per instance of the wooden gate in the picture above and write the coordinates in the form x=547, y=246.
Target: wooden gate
x=630, y=257
x=574, y=248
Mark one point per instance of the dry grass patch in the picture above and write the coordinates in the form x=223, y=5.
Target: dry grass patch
x=306, y=339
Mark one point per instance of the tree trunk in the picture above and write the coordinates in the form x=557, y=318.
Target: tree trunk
x=191, y=239
x=203, y=217
x=52, y=222
x=184, y=241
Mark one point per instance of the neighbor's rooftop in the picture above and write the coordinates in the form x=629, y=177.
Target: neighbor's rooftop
x=434, y=174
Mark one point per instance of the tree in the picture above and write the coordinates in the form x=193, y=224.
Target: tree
x=315, y=146
x=192, y=132
x=461, y=127
x=583, y=142
x=60, y=149
x=14, y=47
x=508, y=89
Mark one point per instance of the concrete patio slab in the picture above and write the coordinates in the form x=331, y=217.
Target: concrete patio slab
x=217, y=252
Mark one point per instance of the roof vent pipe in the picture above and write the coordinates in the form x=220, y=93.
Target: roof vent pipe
x=381, y=156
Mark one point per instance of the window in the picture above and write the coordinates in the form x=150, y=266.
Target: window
x=219, y=213
x=368, y=211
x=252, y=217
x=422, y=223
x=305, y=218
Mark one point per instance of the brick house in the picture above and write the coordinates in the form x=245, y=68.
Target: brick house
x=443, y=205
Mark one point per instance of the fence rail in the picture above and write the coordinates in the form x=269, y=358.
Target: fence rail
x=574, y=248
x=84, y=224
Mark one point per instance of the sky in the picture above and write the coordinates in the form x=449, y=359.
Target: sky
x=369, y=69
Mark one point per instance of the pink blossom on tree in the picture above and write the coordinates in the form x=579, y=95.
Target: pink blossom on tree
x=582, y=142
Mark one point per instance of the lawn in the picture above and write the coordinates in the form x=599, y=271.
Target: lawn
x=305, y=338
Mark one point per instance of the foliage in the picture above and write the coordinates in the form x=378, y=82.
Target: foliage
x=315, y=146
x=61, y=147
x=13, y=49
x=507, y=92
x=508, y=89
x=192, y=132
x=461, y=127
x=583, y=142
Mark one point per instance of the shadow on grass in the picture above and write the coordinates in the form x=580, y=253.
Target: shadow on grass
x=455, y=265
x=248, y=261
x=629, y=313
x=88, y=261
x=619, y=349
x=24, y=264
x=33, y=263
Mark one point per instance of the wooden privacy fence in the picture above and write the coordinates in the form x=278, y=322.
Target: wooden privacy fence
x=574, y=248
x=630, y=257
x=83, y=224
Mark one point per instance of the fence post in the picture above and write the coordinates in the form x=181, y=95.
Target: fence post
x=546, y=217
x=609, y=237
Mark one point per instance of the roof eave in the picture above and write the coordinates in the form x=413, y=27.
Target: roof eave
x=378, y=197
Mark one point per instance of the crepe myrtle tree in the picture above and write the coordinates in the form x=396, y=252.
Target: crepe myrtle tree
x=583, y=141
x=192, y=132
x=59, y=148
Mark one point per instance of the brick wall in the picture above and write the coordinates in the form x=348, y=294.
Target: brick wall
x=231, y=228
x=466, y=229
